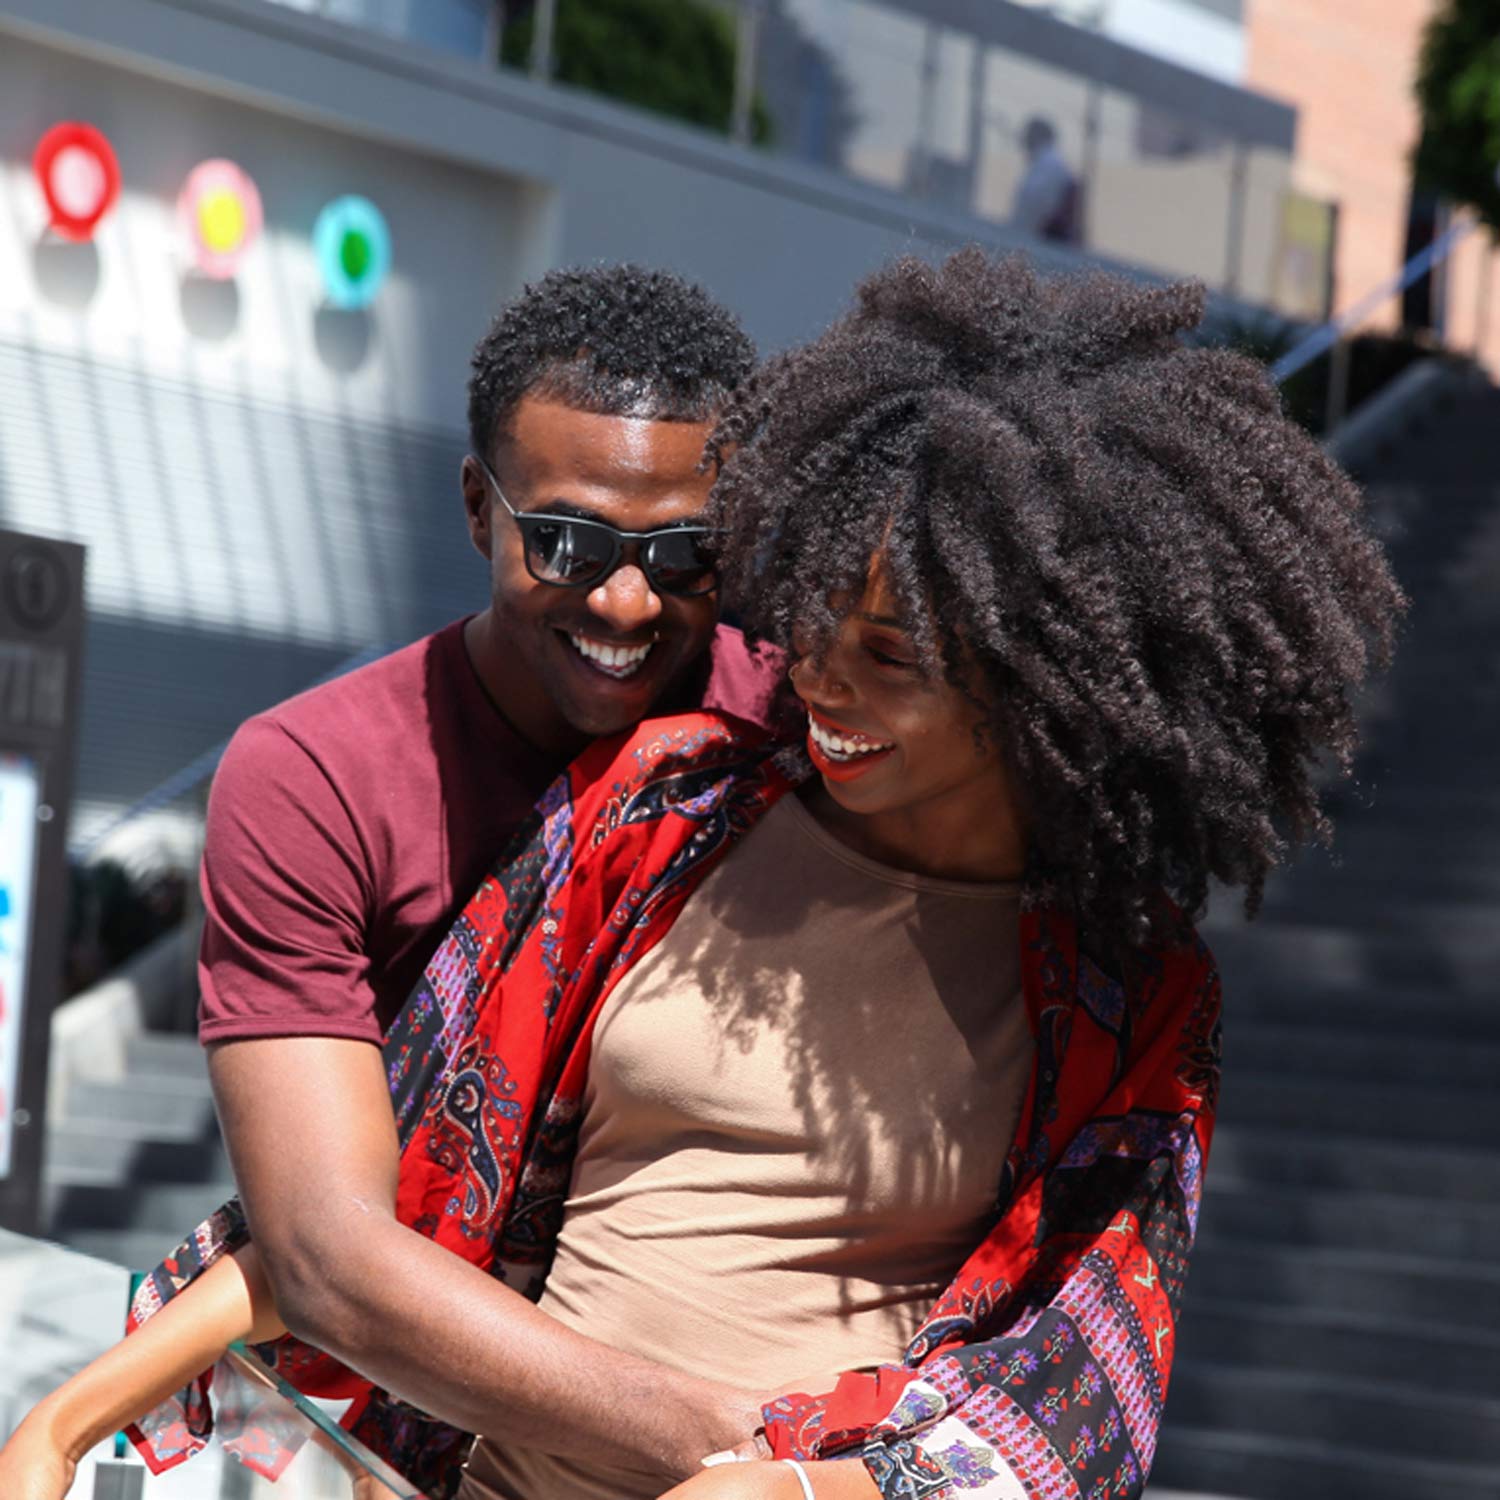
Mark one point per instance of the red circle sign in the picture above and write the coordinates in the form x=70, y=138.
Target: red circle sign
x=79, y=176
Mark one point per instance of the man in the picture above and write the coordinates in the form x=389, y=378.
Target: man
x=1047, y=200
x=349, y=826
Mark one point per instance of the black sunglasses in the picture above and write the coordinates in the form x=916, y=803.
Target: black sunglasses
x=570, y=552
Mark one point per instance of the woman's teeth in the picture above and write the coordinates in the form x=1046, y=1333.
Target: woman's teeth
x=838, y=746
x=614, y=661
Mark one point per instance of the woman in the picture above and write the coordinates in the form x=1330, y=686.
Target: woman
x=1073, y=611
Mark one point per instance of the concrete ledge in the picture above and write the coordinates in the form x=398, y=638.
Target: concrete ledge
x=90, y=1032
x=1397, y=410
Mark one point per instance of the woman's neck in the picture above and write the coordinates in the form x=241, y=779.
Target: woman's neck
x=981, y=843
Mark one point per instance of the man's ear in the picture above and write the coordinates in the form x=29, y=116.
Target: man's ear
x=479, y=506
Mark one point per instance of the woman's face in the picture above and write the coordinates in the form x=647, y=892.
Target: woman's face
x=889, y=741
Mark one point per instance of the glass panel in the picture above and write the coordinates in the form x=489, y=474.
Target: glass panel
x=861, y=67
x=450, y=25
x=1033, y=148
x=1160, y=189
x=59, y=1309
x=1302, y=279
x=878, y=91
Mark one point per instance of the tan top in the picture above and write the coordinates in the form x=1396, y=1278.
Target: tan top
x=797, y=1113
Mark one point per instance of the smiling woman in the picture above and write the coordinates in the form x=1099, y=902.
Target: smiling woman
x=1154, y=589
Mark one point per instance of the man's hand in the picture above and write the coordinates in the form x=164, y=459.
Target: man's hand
x=313, y=1143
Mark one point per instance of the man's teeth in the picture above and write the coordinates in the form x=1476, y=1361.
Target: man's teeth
x=843, y=746
x=617, y=661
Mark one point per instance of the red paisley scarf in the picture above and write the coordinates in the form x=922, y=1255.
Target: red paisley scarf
x=1046, y=1360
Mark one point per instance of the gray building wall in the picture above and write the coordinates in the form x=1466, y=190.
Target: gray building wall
x=266, y=486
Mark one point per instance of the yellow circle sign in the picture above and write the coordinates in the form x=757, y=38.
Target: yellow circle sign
x=221, y=220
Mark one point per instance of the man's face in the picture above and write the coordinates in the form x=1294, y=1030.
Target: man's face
x=570, y=664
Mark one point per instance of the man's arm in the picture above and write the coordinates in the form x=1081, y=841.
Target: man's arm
x=313, y=1143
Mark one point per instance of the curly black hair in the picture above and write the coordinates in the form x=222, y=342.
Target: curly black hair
x=1164, y=583
x=619, y=340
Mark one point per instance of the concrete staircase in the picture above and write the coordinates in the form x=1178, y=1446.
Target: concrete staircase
x=1342, y=1331
x=134, y=1164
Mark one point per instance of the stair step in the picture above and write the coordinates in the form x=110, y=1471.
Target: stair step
x=1256, y=1467
x=161, y=1209
x=1395, y=1420
x=178, y=1109
x=1406, y=1112
x=99, y=1154
x=1353, y=1163
x=1456, y=953
x=1364, y=1008
x=1359, y=893
x=1365, y=1283
x=1261, y=1336
x=1272, y=1049
x=1248, y=1212
x=136, y=1250
x=165, y=1054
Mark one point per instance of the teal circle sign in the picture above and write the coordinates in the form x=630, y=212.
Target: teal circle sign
x=353, y=245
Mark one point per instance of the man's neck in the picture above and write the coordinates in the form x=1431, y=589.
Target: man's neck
x=530, y=713
x=521, y=702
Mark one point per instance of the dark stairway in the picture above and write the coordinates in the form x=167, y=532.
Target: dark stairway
x=1341, y=1337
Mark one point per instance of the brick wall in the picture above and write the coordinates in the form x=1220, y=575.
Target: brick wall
x=1349, y=67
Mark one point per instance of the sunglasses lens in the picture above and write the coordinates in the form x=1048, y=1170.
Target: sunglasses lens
x=681, y=563
x=567, y=552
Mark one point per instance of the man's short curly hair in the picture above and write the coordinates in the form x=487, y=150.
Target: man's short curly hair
x=1164, y=583
x=619, y=340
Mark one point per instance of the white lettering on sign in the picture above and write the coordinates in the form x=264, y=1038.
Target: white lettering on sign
x=20, y=789
x=33, y=685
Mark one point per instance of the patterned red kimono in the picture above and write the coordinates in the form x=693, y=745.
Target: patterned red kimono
x=1044, y=1363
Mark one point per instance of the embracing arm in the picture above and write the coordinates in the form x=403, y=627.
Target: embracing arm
x=230, y=1301
x=311, y=1135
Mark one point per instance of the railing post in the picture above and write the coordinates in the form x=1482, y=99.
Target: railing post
x=747, y=19
x=1338, y=384
x=1235, y=249
x=920, y=172
x=544, y=25
x=494, y=27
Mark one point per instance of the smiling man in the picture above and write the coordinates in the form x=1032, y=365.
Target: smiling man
x=348, y=827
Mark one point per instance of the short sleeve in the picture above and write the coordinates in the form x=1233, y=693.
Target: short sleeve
x=287, y=891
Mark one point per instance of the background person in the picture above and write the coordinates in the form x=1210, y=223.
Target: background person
x=1048, y=200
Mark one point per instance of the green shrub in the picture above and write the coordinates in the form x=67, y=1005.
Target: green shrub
x=674, y=57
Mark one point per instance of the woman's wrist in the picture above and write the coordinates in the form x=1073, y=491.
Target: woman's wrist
x=52, y=1426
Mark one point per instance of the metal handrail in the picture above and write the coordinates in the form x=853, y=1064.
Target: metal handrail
x=1323, y=338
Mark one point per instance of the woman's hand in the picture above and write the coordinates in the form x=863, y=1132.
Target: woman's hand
x=760, y=1480
x=34, y=1467
x=835, y=1479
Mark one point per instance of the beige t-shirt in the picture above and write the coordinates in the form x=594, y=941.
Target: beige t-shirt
x=797, y=1113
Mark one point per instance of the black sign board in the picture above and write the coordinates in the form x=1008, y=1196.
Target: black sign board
x=41, y=642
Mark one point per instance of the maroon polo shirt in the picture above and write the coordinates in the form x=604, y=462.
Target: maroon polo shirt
x=349, y=825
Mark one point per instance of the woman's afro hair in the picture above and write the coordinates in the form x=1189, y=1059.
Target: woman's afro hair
x=1164, y=583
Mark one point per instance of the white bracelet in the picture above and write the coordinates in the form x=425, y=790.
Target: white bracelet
x=802, y=1479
